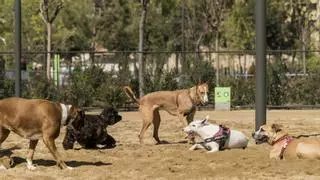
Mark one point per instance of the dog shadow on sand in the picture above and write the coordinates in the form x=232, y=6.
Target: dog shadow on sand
x=164, y=142
x=48, y=163
x=45, y=162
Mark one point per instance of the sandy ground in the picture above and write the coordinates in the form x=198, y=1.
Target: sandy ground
x=130, y=160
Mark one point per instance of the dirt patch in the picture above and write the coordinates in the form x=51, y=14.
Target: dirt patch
x=130, y=160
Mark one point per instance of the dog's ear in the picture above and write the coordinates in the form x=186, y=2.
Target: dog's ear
x=76, y=112
x=276, y=127
x=81, y=113
x=207, y=82
x=197, y=86
x=205, y=120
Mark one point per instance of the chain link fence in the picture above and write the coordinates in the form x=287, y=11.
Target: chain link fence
x=94, y=79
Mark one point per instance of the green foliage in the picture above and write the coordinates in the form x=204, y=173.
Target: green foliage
x=110, y=93
x=160, y=82
x=93, y=87
x=280, y=35
x=8, y=88
x=161, y=79
x=277, y=81
x=313, y=64
x=202, y=71
x=33, y=28
x=81, y=92
x=118, y=24
x=156, y=76
x=239, y=28
x=40, y=88
x=6, y=25
x=114, y=24
x=242, y=90
x=304, y=90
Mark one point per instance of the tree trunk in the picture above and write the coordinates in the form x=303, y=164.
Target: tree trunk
x=177, y=63
x=304, y=53
x=141, y=45
x=49, y=51
x=245, y=65
x=93, y=44
x=218, y=60
x=44, y=12
x=304, y=59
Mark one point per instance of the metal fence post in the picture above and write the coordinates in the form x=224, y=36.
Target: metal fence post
x=183, y=48
x=260, y=13
x=18, y=47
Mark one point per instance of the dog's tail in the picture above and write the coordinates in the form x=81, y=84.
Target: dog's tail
x=130, y=94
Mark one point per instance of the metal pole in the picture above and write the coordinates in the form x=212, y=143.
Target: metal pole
x=55, y=69
x=183, y=63
x=144, y=4
x=260, y=14
x=58, y=70
x=18, y=47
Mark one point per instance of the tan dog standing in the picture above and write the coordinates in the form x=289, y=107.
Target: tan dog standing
x=34, y=119
x=179, y=103
x=284, y=146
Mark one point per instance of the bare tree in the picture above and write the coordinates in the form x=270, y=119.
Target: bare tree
x=49, y=10
x=204, y=18
x=214, y=13
x=302, y=13
x=144, y=4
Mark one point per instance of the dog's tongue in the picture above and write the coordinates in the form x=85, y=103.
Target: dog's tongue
x=191, y=135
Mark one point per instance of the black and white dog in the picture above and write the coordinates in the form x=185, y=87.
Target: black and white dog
x=90, y=130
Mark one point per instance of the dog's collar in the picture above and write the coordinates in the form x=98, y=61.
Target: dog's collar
x=197, y=99
x=279, y=140
x=287, y=139
x=64, y=113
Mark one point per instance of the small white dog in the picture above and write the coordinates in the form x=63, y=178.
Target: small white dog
x=215, y=137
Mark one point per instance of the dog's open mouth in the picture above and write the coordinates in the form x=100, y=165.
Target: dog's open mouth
x=190, y=135
x=261, y=139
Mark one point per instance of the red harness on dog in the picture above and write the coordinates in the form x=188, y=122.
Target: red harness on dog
x=220, y=137
x=287, y=139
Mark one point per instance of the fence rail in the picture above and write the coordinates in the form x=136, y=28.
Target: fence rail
x=158, y=52
x=210, y=107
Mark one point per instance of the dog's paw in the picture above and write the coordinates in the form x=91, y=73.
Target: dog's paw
x=70, y=168
x=212, y=151
x=194, y=147
x=191, y=141
x=100, y=146
x=31, y=167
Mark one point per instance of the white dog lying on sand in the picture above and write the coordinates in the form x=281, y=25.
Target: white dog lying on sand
x=215, y=137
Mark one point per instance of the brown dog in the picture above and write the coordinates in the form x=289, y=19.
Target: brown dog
x=284, y=146
x=179, y=103
x=34, y=119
